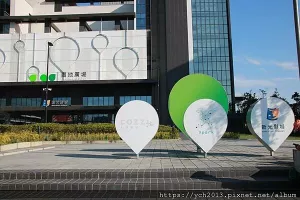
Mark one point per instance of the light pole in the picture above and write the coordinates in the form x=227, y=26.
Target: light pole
x=46, y=89
x=296, y=19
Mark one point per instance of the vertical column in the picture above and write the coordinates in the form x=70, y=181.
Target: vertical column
x=82, y=26
x=230, y=58
x=296, y=19
x=117, y=98
x=190, y=36
x=177, y=51
x=159, y=63
x=57, y=6
x=47, y=26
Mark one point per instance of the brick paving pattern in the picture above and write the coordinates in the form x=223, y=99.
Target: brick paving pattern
x=158, y=154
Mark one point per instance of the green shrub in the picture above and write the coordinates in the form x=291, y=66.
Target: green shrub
x=65, y=132
x=231, y=135
x=51, y=128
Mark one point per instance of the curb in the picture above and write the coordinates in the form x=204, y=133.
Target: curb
x=25, y=151
x=23, y=145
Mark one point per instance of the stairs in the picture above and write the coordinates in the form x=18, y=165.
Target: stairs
x=116, y=181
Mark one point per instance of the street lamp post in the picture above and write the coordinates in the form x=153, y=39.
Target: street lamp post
x=296, y=19
x=47, y=88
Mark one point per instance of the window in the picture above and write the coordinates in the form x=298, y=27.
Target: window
x=68, y=99
x=126, y=99
x=98, y=101
x=141, y=11
x=97, y=118
x=4, y=11
x=2, y=102
x=26, y=102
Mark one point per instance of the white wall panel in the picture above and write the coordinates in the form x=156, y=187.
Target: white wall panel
x=48, y=9
x=20, y=8
x=92, y=56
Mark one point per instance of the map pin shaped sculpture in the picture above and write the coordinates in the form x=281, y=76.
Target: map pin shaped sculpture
x=190, y=89
x=271, y=120
x=205, y=121
x=99, y=43
x=19, y=46
x=124, y=55
x=62, y=53
x=3, y=58
x=137, y=123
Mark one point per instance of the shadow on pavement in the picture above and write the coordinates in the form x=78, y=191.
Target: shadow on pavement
x=170, y=153
x=159, y=153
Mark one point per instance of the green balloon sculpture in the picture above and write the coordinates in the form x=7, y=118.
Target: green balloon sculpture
x=190, y=89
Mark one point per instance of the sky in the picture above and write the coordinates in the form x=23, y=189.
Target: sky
x=264, y=47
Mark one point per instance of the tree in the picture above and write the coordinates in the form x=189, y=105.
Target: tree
x=263, y=93
x=296, y=97
x=277, y=95
x=249, y=99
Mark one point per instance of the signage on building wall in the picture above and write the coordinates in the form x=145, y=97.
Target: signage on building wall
x=62, y=118
x=46, y=103
x=205, y=122
x=271, y=120
x=57, y=103
x=137, y=123
x=73, y=74
x=104, y=56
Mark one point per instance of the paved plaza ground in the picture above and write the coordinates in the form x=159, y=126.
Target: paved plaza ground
x=157, y=154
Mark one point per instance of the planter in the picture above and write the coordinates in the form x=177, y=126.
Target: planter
x=22, y=145
x=296, y=157
x=8, y=147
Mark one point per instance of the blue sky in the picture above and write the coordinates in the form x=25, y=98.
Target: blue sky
x=264, y=46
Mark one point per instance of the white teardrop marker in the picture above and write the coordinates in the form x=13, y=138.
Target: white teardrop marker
x=205, y=121
x=137, y=123
x=271, y=120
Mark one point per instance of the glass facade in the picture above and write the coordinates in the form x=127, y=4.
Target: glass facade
x=26, y=102
x=97, y=118
x=2, y=102
x=126, y=99
x=4, y=11
x=98, y=101
x=141, y=14
x=211, y=41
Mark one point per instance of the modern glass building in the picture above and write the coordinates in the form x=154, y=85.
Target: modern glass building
x=212, y=42
x=161, y=42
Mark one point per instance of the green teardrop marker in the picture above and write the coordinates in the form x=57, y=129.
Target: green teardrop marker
x=32, y=77
x=190, y=89
x=52, y=77
x=43, y=77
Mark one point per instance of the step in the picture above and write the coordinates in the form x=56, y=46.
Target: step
x=120, y=195
x=244, y=184
x=144, y=173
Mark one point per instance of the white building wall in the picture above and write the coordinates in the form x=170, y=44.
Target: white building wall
x=40, y=7
x=86, y=54
x=37, y=28
x=68, y=26
x=47, y=8
x=20, y=8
